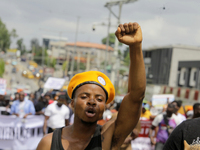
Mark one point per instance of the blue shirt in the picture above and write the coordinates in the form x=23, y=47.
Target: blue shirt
x=28, y=107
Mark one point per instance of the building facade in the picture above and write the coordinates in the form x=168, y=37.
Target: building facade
x=174, y=66
x=91, y=54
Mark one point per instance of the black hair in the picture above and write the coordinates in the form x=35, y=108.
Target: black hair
x=62, y=97
x=48, y=94
x=170, y=105
x=196, y=105
x=178, y=103
x=65, y=97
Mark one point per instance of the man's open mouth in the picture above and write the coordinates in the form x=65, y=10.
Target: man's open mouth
x=90, y=112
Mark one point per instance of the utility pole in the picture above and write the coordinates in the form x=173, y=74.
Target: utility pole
x=116, y=61
x=43, y=47
x=107, y=44
x=72, y=64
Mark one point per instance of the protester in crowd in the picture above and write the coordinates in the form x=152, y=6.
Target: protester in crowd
x=41, y=105
x=177, y=105
x=107, y=114
x=185, y=136
x=48, y=97
x=22, y=107
x=16, y=96
x=166, y=123
x=196, y=110
x=90, y=91
x=5, y=105
x=57, y=115
x=32, y=98
x=146, y=114
x=165, y=105
x=189, y=113
x=1, y=99
x=68, y=104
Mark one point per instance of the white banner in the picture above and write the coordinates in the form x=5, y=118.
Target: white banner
x=142, y=143
x=20, y=134
x=54, y=83
x=158, y=100
x=2, y=86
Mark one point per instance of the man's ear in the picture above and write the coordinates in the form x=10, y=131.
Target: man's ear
x=72, y=103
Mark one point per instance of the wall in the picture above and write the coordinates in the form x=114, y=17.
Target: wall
x=181, y=54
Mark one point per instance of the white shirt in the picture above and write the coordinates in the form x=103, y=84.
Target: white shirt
x=159, y=118
x=57, y=115
x=21, y=109
x=181, y=117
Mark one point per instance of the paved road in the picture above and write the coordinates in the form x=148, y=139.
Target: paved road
x=16, y=80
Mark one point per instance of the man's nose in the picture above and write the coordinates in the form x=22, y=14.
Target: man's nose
x=91, y=102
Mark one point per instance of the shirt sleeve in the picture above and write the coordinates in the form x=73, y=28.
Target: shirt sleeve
x=12, y=109
x=175, y=140
x=67, y=113
x=157, y=120
x=47, y=111
x=32, y=108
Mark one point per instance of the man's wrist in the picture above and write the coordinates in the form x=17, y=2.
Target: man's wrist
x=136, y=45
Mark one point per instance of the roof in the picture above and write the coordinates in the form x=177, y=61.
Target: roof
x=90, y=45
x=172, y=46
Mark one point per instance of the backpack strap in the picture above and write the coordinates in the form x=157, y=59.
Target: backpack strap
x=166, y=122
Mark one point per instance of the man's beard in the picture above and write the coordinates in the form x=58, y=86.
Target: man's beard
x=59, y=104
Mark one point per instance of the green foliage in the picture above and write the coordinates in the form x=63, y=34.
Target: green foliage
x=53, y=63
x=5, y=37
x=122, y=71
x=50, y=62
x=20, y=44
x=13, y=33
x=127, y=60
x=111, y=40
x=64, y=65
x=5, y=40
x=38, y=55
x=81, y=65
x=2, y=67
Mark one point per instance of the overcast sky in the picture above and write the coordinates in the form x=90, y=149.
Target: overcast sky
x=163, y=22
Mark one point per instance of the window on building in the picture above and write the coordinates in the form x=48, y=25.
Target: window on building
x=195, y=76
x=147, y=55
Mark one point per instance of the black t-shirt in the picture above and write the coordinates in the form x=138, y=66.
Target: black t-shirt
x=185, y=136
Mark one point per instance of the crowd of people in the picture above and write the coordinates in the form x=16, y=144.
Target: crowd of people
x=58, y=113
x=55, y=106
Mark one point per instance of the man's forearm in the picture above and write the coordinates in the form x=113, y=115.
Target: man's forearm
x=137, y=77
x=44, y=127
x=15, y=114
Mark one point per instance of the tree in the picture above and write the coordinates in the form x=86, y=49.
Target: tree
x=2, y=67
x=20, y=44
x=5, y=40
x=111, y=40
x=5, y=37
